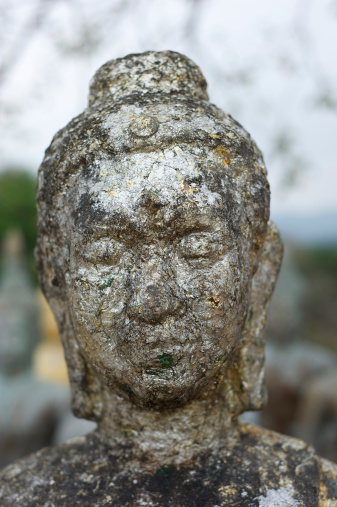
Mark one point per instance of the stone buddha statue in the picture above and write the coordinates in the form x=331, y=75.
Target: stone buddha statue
x=157, y=257
x=30, y=409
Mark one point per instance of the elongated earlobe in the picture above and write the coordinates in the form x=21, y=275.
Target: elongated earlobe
x=86, y=387
x=248, y=390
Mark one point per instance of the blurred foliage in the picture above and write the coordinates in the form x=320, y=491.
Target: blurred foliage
x=18, y=208
x=294, y=165
x=318, y=258
x=326, y=100
x=283, y=143
x=319, y=266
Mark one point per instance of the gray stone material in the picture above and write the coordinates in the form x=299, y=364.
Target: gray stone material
x=19, y=315
x=29, y=408
x=158, y=260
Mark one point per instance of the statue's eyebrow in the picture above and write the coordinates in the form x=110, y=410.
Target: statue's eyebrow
x=116, y=226
x=189, y=223
x=126, y=226
x=131, y=234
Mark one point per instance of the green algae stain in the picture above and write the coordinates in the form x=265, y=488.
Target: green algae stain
x=153, y=372
x=124, y=387
x=166, y=360
x=126, y=431
x=127, y=389
x=107, y=283
x=251, y=314
x=165, y=470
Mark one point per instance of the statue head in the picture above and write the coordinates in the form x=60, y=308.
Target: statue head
x=19, y=316
x=153, y=232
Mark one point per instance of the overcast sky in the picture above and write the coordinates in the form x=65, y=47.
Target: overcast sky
x=272, y=64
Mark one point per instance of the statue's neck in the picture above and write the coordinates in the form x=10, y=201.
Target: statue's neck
x=170, y=436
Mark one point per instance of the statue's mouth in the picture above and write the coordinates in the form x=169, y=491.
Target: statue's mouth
x=160, y=374
x=162, y=366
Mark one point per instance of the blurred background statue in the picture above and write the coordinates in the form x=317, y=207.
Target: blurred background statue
x=300, y=376
x=29, y=408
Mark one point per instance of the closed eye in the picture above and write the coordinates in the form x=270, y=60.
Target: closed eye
x=103, y=251
x=198, y=245
x=203, y=245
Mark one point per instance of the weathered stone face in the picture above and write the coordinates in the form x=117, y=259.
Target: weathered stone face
x=158, y=284
x=153, y=208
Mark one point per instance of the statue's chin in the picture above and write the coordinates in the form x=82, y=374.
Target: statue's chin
x=165, y=389
x=161, y=401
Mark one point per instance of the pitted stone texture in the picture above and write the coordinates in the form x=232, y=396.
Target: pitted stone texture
x=151, y=73
x=260, y=468
x=145, y=126
x=153, y=210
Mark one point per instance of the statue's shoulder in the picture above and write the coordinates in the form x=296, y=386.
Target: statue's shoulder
x=286, y=469
x=328, y=484
x=259, y=468
x=65, y=474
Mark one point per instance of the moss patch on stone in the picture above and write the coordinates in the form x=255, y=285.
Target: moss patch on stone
x=106, y=283
x=166, y=360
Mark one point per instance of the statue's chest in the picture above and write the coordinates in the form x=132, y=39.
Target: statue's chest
x=248, y=477
x=252, y=473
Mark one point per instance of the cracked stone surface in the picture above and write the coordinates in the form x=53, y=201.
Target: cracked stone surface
x=157, y=257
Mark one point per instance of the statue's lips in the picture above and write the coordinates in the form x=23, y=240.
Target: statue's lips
x=167, y=355
x=160, y=375
x=155, y=389
x=162, y=365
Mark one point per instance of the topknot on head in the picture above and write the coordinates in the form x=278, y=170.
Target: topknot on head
x=164, y=72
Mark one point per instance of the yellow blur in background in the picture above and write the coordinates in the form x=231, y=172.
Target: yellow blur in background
x=49, y=363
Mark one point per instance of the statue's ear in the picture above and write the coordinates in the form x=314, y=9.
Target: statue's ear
x=247, y=374
x=86, y=387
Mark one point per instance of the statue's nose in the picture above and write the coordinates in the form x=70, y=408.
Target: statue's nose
x=154, y=301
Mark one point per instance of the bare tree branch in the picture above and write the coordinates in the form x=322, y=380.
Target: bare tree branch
x=32, y=25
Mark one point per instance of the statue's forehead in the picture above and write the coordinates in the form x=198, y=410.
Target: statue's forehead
x=166, y=170
x=162, y=190
x=146, y=215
